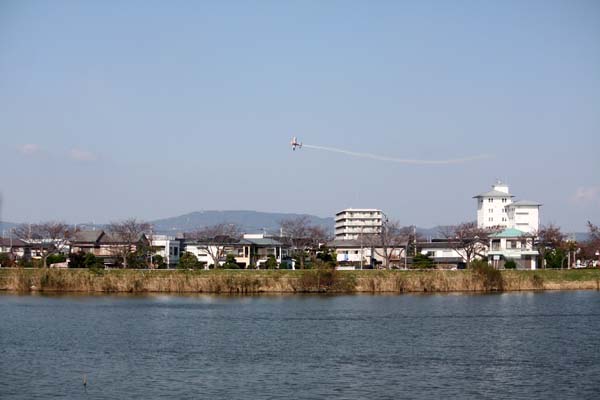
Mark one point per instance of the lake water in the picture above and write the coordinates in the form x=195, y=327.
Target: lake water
x=514, y=345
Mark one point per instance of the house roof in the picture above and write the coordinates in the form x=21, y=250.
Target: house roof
x=339, y=243
x=437, y=245
x=354, y=243
x=6, y=242
x=88, y=236
x=262, y=242
x=493, y=193
x=524, y=203
x=115, y=238
x=509, y=233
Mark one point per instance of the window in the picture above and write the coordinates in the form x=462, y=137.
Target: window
x=504, y=200
x=490, y=200
x=491, y=219
x=490, y=210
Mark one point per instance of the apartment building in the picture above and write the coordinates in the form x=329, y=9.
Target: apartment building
x=351, y=223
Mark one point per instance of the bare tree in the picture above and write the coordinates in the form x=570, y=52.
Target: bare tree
x=388, y=242
x=412, y=237
x=592, y=245
x=594, y=231
x=215, y=239
x=467, y=239
x=47, y=237
x=127, y=236
x=548, y=237
x=302, y=236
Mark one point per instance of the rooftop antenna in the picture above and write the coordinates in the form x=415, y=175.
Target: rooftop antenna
x=85, y=382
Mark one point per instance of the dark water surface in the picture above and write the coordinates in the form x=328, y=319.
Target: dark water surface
x=514, y=345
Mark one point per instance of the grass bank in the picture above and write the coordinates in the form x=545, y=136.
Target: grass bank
x=308, y=281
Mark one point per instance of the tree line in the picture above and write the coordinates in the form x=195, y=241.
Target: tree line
x=307, y=244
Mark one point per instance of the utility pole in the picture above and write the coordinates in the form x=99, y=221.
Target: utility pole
x=151, y=249
x=415, y=238
x=361, y=247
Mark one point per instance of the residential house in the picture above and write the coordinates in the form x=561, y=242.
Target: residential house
x=512, y=244
x=446, y=253
x=103, y=245
x=357, y=253
x=17, y=248
x=252, y=250
x=168, y=247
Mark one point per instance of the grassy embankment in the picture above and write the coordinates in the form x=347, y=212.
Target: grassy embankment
x=308, y=281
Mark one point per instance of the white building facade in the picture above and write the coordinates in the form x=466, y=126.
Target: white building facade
x=351, y=223
x=524, y=215
x=496, y=209
x=167, y=247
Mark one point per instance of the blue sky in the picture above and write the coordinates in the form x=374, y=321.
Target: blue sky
x=153, y=109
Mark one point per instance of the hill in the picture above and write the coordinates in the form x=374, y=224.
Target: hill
x=249, y=221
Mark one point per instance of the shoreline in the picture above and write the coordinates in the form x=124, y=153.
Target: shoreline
x=290, y=282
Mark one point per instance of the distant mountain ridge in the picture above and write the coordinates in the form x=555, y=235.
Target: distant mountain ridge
x=249, y=221
x=6, y=226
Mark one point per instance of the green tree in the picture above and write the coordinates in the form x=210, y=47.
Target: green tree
x=555, y=257
x=6, y=261
x=271, y=262
x=230, y=262
x=55, y=258
x=188, y=261
x=158, y=261
x=327, y=256
x=138, y=259
x=422, y=261
x=76, y=260
x=510, y=264
x=91, y=261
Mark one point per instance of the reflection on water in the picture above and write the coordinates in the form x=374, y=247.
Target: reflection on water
x=515, y=345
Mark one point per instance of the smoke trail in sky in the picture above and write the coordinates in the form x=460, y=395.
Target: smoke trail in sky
x=397, y=160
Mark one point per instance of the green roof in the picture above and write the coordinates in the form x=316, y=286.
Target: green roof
x=509, y=233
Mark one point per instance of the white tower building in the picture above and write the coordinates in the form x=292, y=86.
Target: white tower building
x=496, y=208
x=491, y=206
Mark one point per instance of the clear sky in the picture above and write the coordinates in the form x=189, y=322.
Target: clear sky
x=110, y=109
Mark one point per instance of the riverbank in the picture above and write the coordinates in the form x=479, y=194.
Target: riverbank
x=307, y=281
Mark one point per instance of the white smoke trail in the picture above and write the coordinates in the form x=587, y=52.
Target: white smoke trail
x=397, y=160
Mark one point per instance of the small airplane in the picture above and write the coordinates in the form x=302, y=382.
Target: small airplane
x=295, y=144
